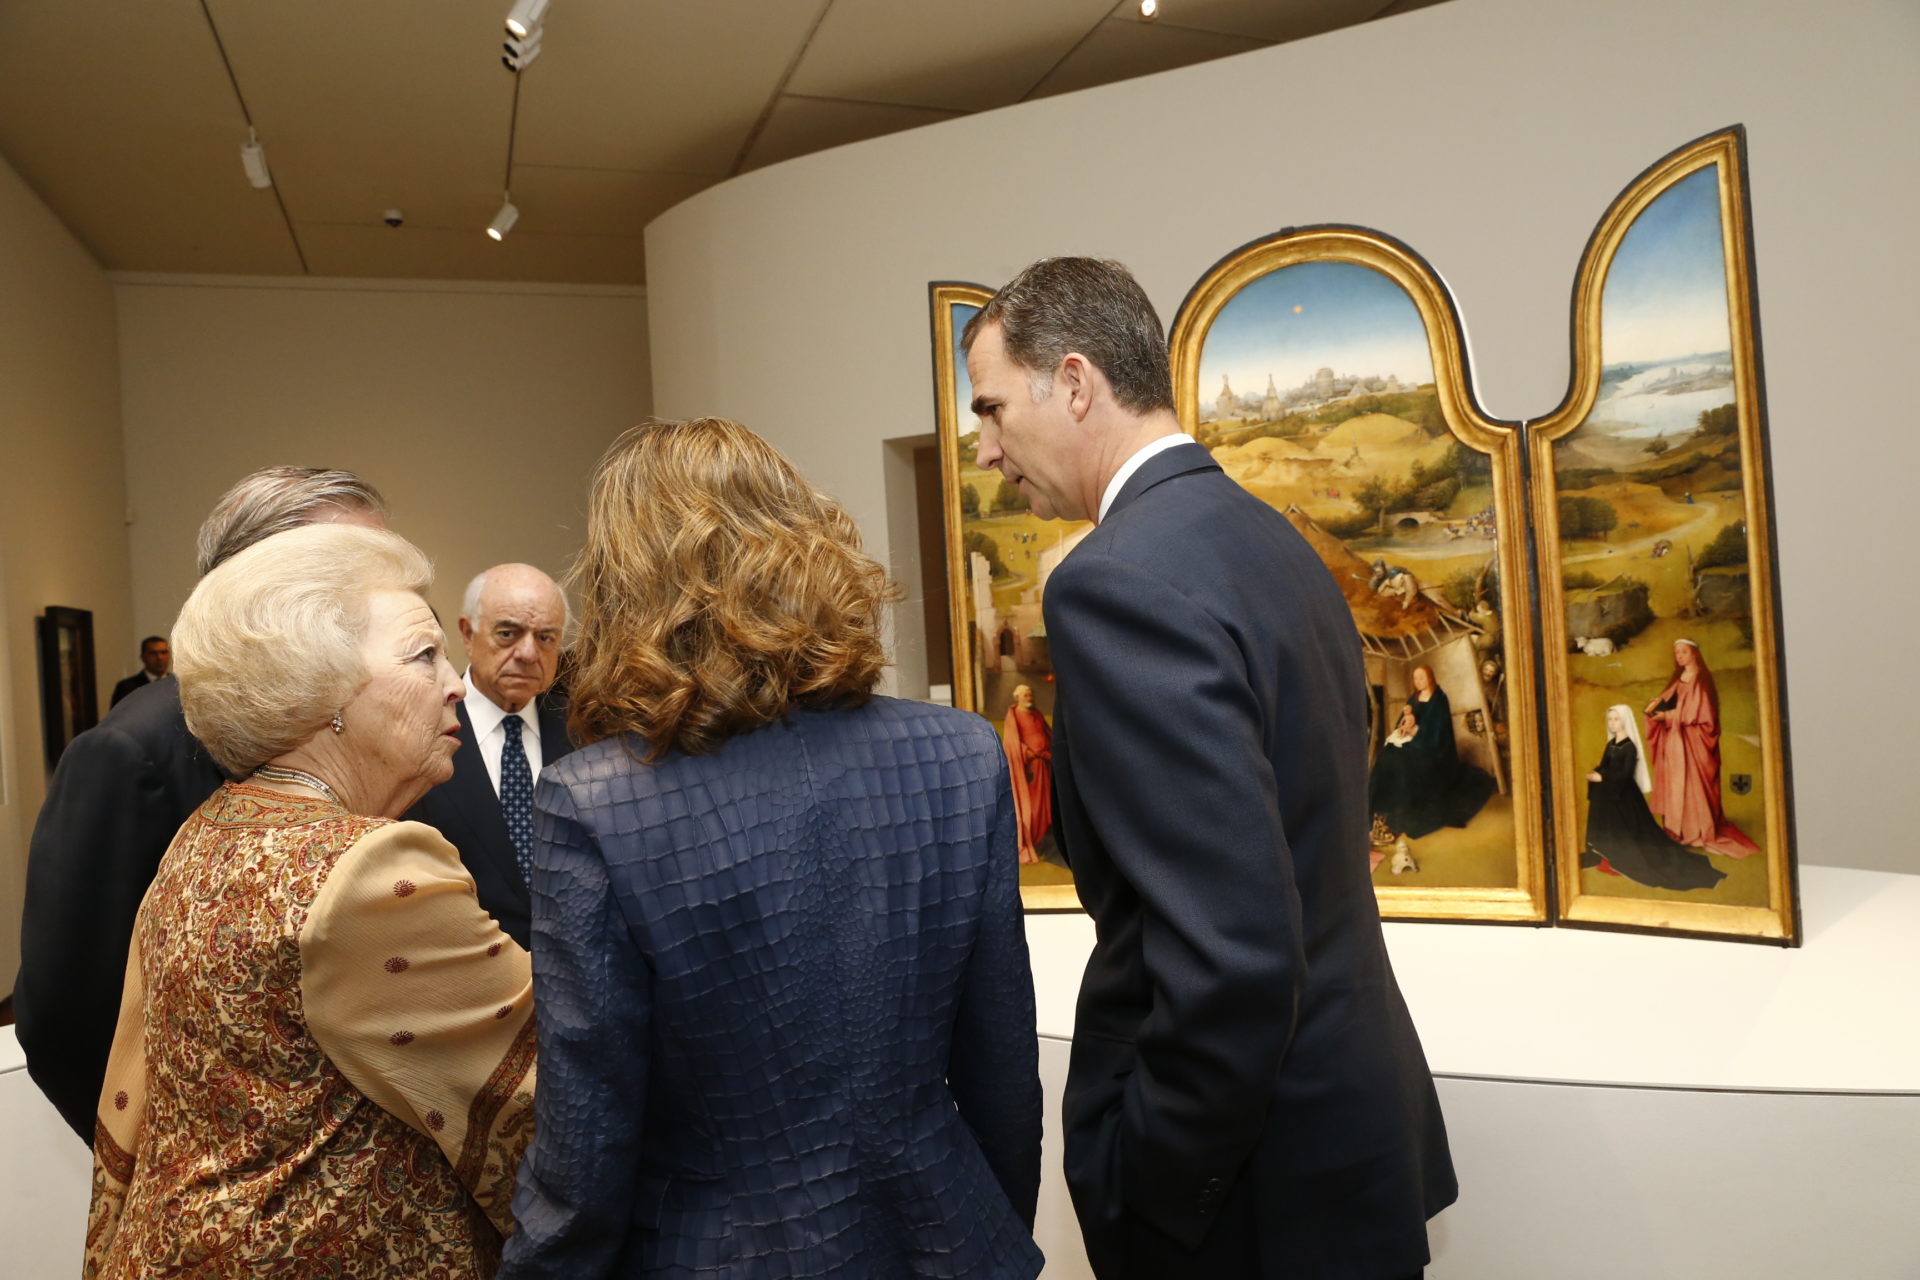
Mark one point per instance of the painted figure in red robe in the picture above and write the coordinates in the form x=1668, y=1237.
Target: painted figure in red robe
x=1029, y=744
x=1683, y=739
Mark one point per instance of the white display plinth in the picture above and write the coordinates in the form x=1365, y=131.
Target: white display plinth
x=1618, y=1105
x=46, y=1178
x=1626, y=1105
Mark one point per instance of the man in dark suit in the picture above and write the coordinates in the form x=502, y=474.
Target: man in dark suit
x=156, y=659
x=1246, y=1095
x=512, y=621
x=120, y=792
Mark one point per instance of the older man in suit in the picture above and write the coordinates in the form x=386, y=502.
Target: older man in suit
x=511, y=724
x=121, y=791
x=1246, y=1095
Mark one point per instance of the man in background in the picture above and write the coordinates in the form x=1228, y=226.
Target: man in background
x=121, y=791
x=156, y=660
x=512, y=621
x=1246, y=1094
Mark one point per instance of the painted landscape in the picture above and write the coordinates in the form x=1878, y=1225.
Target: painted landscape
x=1656, y=579
x=1322, y=403
x=1008, y=554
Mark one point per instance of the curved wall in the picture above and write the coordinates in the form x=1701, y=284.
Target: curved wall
x=1488, y=134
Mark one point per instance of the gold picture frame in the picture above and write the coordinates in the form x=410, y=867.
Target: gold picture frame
x=1702, y=499
x=1350, y=280
x=1668, y=446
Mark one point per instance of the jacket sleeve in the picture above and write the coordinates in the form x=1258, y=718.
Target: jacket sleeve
x=593, y=994
x=107, y=820
x=1167, y=747
x=994, y=1066
x=424, y=1004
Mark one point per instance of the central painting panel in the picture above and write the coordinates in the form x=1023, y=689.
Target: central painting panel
x=1313, y=374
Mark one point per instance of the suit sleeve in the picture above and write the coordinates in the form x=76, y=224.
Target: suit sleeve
x=424, y=1004
x=1167, y=749
x=994, y=1066
x=593, y=996
x=106, y=822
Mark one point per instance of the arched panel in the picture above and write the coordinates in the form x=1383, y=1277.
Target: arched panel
x=1662, y=677
x=1325, y=370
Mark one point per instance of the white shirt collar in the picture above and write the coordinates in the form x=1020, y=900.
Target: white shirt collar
x=1133, y=464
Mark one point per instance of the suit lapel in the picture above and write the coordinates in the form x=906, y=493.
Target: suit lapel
x=474, y=798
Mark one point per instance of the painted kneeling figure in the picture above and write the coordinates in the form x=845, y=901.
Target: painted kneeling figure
x=1622, y=837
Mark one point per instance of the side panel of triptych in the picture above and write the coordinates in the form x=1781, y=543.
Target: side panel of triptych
x=999, y=555
x=1662, y=669
x=1323, y=370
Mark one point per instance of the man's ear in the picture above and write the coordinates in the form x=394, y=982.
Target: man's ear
x=1077, y=378
x=466, y=630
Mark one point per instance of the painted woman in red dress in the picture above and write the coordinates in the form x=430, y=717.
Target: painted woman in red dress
x=1029, y=744
x=1683, y=739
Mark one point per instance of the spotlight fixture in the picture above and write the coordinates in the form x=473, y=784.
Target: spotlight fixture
x=254, y=157
x=525, y=16
x=519, y=52
x=503, y=221
x=1149, y=10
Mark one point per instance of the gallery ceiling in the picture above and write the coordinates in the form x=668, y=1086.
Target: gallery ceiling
x=127, y=116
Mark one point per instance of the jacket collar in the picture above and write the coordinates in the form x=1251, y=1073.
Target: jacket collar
x=1182, y=459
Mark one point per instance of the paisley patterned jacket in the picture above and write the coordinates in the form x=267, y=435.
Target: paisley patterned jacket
x=324, y=1063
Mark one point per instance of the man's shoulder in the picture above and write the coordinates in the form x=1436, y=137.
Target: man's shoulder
x=150, y=716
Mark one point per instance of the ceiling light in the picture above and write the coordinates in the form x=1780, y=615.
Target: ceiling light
x=503, y=221
x=254, y=157
x=520, y=52
x=1149, y=10
x=525, y=16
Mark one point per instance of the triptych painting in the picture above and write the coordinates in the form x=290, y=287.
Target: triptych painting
x=1569, y=624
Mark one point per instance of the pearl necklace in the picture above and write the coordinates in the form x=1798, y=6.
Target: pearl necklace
x=277, y=774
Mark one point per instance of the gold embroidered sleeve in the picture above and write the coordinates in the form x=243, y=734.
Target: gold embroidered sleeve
x=423, y=1003
x=117, y=1120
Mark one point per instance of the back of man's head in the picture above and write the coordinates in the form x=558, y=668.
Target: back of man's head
x=1089, y=305
x=275, y=499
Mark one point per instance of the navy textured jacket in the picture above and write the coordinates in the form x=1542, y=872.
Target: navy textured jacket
x=785, y=1014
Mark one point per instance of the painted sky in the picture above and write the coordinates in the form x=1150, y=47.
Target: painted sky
x=1299, y=319
x=1666, y=292
x=963, y=385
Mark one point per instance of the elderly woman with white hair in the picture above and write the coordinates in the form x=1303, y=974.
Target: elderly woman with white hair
x=324, y=1063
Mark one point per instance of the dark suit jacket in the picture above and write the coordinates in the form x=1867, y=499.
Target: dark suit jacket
x=786, y=1019
x=1247, y=1095
x=138, y=680
x=466, y=810
x=120, y=792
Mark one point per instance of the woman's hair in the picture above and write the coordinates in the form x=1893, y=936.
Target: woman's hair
x=267, y=648
x=718, y=591
x=1433, y=681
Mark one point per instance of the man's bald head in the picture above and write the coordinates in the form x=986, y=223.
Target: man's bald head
x=512, y=621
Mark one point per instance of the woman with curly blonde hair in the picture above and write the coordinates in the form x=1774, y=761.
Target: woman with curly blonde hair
x=781, y=981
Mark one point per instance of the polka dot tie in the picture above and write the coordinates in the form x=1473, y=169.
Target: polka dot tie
x=516, y=796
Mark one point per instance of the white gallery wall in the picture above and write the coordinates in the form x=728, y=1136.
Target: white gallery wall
x=129, y=404
x=1490, y=135
x=62, y=494
x=476, y=409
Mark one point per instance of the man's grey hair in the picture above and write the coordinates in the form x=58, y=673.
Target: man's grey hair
x=470, y=603
x=1093, y=306
x=274, y=500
